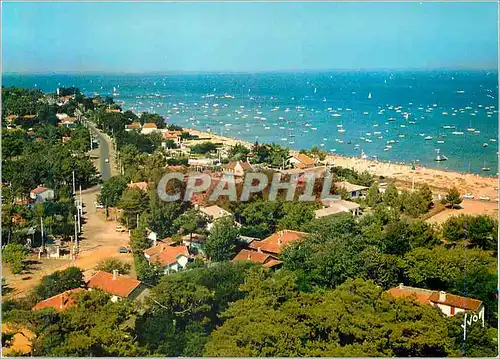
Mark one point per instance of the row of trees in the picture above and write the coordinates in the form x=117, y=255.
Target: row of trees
x=242, y=309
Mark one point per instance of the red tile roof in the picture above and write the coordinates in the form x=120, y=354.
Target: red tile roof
x=39, y=189
x=121, y=286
x=134, y=125
x=172, y=134
x=254, y=256
x=276, y=241
x=169, y=255
x=419, y=294
x=149, y=125
x=304, y=160
x=456, y=301
x=160, y=247
x=245, y=165
x=143, y=186
x=60, y=301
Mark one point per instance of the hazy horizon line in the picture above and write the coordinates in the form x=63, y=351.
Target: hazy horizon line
x=228, y=72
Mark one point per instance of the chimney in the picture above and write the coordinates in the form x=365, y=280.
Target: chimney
x=249, y=256
x=280, y=234
x=115, y=274
x=259, y=250
x=442, y=296
x=400, y=285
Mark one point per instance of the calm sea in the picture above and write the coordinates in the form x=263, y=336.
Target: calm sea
x=393, y=116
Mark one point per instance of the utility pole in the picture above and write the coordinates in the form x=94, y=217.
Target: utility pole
x=41, y=228
x=74, y=191
x=79, y=222
x=76, y=234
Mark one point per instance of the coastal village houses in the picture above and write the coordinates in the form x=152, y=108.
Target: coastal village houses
x=449, y=304
x=118, y=286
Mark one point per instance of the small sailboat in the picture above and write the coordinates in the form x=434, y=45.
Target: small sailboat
x=439, y=157
x=115, y=92
x=369, y=95
x=363, y=155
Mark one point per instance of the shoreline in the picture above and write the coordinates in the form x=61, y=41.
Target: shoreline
x=403, y=174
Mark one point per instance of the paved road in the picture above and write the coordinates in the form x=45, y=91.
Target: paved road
x=104, y=153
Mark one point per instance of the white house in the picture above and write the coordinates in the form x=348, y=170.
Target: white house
x=237, y=168
x=214, y=212
x=354, y=190
x=301, y=160
x=149, y=127
x=449, y=304
x=42, y=194
x=171, y=259
x=338, y=206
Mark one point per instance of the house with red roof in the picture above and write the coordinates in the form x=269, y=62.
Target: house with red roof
x=170, y=258
x=277, y=241
x=42, y=194
x=301, y=160
x=133, y=126
x=61, y=301
x=238, y=168
x=449, y=304
x=148, y=128
x=118, y=286
x=265, y=259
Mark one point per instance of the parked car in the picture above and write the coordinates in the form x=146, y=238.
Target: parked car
x=123, y=250
x=106, y=160
x=120, y=229
x=98, y=205
x=468, y=196
x=484, y=198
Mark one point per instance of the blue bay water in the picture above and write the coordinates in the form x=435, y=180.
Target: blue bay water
x=394, y=116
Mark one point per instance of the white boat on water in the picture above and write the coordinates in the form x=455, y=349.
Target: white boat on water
x=439, y=157
x=457, y=133
x=341, y=130
x=427, y=138
x=369, y=95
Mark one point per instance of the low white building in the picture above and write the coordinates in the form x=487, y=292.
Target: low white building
x=336, y=207
x=353, y=190
x=42, y=194
x=214, y=212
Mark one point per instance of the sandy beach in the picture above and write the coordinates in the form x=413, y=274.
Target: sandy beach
x=439, y=181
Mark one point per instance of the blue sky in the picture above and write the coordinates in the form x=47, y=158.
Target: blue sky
x=156, y=37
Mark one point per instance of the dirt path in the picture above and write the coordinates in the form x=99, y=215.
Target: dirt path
x=99, y=241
